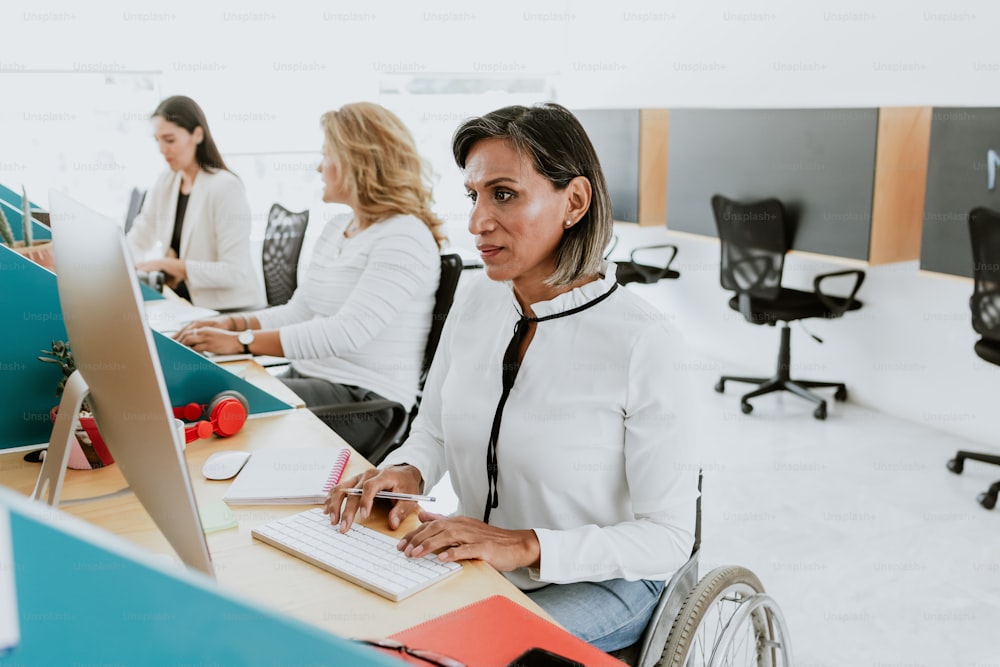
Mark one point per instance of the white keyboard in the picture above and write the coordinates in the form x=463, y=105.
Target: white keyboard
x=361, y=555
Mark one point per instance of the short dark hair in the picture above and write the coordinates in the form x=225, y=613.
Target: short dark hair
x=560, y=150
x=185, y=112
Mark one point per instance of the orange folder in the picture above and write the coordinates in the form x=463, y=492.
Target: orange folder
x=494, y=631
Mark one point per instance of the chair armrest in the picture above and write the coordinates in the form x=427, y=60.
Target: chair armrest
x=357, y=408
x=614, y=244
x=389, y=439
x=652, y=276
x=835, y=308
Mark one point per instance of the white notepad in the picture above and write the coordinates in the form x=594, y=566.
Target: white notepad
x=288, y=476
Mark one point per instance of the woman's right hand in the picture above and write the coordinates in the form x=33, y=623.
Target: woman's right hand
x=399, y=478
x=221, y=322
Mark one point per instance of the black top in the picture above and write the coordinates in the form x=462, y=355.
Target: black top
x=175, y=242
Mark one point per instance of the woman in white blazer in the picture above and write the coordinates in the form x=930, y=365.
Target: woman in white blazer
x=195, y=223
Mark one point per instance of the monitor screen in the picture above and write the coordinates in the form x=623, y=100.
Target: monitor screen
x=120, y=374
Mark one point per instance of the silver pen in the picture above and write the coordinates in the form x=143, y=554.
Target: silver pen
x=391, y=495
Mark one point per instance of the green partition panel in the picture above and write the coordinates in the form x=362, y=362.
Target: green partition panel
x=86, y=597
x=30, y=319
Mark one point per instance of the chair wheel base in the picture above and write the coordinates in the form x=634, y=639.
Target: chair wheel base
x=987, y=500
x=746, y=408
x=956, y=466
x=820, y=411
x=840, y=394
x=720, y=387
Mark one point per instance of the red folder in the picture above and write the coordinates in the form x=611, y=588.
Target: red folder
x=494, y=631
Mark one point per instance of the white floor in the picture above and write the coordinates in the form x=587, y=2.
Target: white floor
x=876, y=553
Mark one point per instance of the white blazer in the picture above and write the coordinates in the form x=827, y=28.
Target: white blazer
x=215, y=239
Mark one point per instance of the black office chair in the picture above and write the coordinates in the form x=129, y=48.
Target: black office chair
x=984, y=230
x=399, y=426
x=754, y=238
x=280, y=256
x=634, y=271
x=135, y=200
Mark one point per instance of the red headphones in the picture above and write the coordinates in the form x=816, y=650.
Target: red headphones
x=223, y=416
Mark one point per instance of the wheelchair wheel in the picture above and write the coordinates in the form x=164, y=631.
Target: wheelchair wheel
x=728, y=620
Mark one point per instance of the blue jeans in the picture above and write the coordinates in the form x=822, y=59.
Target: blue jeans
x=608, y=614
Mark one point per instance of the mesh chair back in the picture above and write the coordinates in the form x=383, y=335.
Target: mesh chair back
x=135, y=199
x=451, y=271
x=752, y=236
x=280, y=257
x=984, y=231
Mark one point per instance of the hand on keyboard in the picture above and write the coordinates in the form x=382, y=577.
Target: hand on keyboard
x=464, y=538
x=402, y=479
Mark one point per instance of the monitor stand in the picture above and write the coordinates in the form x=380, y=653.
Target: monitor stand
x=50, y=479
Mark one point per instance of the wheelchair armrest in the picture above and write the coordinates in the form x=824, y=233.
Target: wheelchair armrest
x=642, y=270
x=838, y=309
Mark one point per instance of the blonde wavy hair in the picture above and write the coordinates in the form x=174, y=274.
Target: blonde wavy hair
x=380, y=165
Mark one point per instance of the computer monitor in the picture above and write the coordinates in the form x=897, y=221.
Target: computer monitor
x=119, y=374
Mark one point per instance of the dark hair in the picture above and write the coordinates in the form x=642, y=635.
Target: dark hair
x=185, y=112
x=560, y=150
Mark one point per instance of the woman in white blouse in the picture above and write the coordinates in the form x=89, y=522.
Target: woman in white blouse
x=564, y=441
x=195, y=222
x=357, y=325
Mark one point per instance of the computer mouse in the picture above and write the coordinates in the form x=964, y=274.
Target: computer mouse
x=224, y=465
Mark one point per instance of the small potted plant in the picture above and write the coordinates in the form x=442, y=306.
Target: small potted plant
x=90, y=451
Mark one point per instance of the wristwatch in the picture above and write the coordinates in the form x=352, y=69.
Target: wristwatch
x=246, y=337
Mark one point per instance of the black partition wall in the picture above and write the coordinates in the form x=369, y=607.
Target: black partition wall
x=615, y=135
x=819, y=162
x=963, y=172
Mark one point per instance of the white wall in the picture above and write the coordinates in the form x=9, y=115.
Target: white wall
x=908, y=352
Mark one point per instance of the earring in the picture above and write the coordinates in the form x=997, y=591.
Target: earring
x=569, y=223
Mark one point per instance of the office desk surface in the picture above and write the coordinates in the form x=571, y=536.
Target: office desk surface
x=254, y=569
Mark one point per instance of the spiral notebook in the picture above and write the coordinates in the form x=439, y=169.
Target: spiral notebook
x=288, y=476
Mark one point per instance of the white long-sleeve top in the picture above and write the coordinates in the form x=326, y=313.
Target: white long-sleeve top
x=215, y=239
x=362, y=312
x=593, y=452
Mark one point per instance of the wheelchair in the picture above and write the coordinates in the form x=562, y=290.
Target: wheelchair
x=723, y=620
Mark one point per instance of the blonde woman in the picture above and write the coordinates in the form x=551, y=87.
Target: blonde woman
x=357, y=325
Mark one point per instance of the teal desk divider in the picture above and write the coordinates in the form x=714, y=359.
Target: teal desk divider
x=191, y=378
x=31, y=318
x=86, y=597
x=150, y=294
x=14, y=217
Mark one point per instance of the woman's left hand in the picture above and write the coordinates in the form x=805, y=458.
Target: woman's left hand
x=210, y=339
x=461, y=538
x=171, y=266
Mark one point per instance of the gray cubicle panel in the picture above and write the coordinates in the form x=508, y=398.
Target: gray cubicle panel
x=819, y=162
x=615, y=135
x=964, y=155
